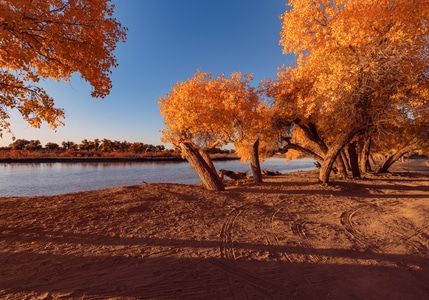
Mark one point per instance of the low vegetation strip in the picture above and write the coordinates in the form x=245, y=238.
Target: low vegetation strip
x=85, y=156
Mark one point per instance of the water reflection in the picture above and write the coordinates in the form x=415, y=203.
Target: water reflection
x=50, y=178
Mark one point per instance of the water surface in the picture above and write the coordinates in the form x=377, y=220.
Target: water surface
x=34, y=179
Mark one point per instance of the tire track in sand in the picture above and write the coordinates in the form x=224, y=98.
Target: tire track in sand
x=347, y=223
x=297, y=228
x=270, y=235
x=402, y=234
x=243, y=284
x=406, y=233
x=226, y=239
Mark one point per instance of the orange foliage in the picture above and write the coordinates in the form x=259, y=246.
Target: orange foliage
x=360, y=66
x=360, y=63
x=358, y=56
x=212, y=112
x=53, y=39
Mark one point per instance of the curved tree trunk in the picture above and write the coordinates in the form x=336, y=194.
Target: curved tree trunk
x=254, y=163
x=306, y=151
x=208, y=175
x=325, y=170
x=310, y=131
x=331, y=155
x=354, y=164
x=390, y=160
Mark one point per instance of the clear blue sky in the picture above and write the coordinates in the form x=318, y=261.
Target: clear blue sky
x=168, y=40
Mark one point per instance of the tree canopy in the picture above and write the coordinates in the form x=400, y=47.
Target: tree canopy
x=360, y=65
x=360, y=81
x=53, y=39
x=205, y=112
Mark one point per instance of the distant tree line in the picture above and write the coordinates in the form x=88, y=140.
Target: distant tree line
x=96, y=145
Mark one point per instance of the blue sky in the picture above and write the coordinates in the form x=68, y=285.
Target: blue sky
x=168, y=41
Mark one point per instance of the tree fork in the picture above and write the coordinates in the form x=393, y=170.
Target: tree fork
x=332, y=154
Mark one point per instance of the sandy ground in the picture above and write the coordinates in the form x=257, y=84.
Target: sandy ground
x=289, y=238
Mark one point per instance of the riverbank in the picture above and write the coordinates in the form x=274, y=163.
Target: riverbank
x=88, y=159
x=76, y=159
x=288, y=238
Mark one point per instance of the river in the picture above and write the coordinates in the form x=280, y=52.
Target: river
x=43, y=179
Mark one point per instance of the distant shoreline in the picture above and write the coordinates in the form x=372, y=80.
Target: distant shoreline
x=104, y=159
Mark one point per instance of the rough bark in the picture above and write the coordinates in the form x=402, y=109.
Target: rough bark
x=346, y=160
x=371, y=159
x=354, y=164
x=208, y=175
x=207, y=159
x=311, y=133
x=365, y=165
x=254, y=163
x=341, y=167
x=339, y=162
x=393, y=158
x=331, y=155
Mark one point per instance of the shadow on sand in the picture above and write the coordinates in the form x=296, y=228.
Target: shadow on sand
x=171, y=273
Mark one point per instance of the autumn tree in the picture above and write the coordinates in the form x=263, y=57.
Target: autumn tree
x=300, y=132
x=53, y=39
x=69, y=145
x=192, y=111
x=358, y=64
x=86, y=145
x=248, y=117
x=401, y=137
x=137, y=147
x=33, y=145
x=19, y=144
x=52, y=146
x=106, y=145
x=204, y=113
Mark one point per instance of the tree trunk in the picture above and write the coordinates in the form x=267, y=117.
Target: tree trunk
x=207, y=159
x=365, y=166
x=325, y=170
x=310, y=131
x=341, y=167
x=254, y=163
x=346, y=160
x=208, y=175
x=303, y=150
x=393, y=158
x=354, y=164
x=331, y=155
x=371, y=159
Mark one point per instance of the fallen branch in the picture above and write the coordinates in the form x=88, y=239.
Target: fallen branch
x=233, y=175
